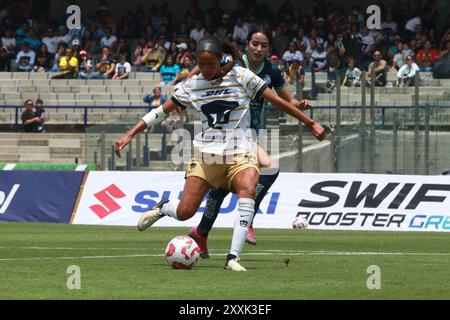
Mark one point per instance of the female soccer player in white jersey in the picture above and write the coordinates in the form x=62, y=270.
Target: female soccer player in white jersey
x=224, y=156
x=258, y=46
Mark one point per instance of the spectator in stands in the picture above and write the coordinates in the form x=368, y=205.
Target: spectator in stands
x=91, y=43
x=445, y=49
x=378, y=67
x=122, y=48
x=5, y=62
x=407, y=74
x=198, y=32
x=426, y=57
x=333, y=62
x=30, y=121
x=25, y=58
x=169, y=71
x=317, y=63
x=296, y=71
x=318, y=57
x=139, y=51
x=9, y=43
x=240, y=32
x=395, y=53
x=43, y=59
x=407, y=51
x=155, y=100
x=413, y=46
x=181, y=53
x=40, y=113
x=390, y=23
x=68, y=64
x=367, y=47
x=33, y=41
x=63, y=35
x=29, y=19
x=280, y=65
x=186, y=66
x=108, y=40
x=182, y=35
x=153, y=59
x=301, y=40
x=105, y=67
x=292, y=54
x=314, y=35
x=410, y=26
x=58, y=55
x=50, y=41
x=225, y=29
x=85, y=66
x=352, y=75
x=76, y=48
x=123, y=68
x=280, y=41
x=22, y=33
x=356, y=16
x=352, y=42
x=163, y=44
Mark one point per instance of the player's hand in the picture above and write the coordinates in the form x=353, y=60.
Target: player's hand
x=318, y=131
x=121, y=143
x=305, y=105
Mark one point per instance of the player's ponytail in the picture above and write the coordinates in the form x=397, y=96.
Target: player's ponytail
x=235, y=54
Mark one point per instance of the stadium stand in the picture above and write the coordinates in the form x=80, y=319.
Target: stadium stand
x=75, y=105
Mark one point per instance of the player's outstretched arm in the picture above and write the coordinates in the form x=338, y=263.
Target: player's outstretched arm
x=154, y=116
x=303, y=104
x=317, y=130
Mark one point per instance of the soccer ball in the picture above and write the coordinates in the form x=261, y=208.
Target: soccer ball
x=300, y=223
x=182, y=252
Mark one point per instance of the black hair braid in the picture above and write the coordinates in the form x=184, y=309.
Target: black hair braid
x=235, y=54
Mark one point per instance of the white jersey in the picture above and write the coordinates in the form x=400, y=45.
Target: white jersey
x=224, y=110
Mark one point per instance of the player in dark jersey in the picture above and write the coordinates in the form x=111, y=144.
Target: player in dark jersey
x=258, y=46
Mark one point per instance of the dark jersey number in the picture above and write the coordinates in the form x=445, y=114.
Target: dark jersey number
x=218, y=112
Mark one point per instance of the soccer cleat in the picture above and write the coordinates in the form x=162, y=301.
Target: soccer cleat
x=234, y=265
x=150, y=217
x=202, y=242
x=251, y=235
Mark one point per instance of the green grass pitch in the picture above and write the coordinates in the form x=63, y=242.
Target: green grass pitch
x=123, y=263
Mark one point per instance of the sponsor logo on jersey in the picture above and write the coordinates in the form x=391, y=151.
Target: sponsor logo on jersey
x=211, y=93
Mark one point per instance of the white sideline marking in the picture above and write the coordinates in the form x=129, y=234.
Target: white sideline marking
x=260, y=253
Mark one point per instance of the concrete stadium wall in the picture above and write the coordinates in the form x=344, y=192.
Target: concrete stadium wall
x=317, y=157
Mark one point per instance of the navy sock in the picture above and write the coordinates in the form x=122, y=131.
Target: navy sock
x=231, y=257
x=265, y=182
x=215, y=199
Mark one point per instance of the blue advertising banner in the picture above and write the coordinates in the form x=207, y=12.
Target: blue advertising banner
x=38, y=196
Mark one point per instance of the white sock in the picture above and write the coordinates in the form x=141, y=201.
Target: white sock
x=170, y=209
x=246, y=210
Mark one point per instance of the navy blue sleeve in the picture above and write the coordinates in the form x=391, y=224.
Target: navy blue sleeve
x=147, y=98
x=261, y=91
x=277, y=78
